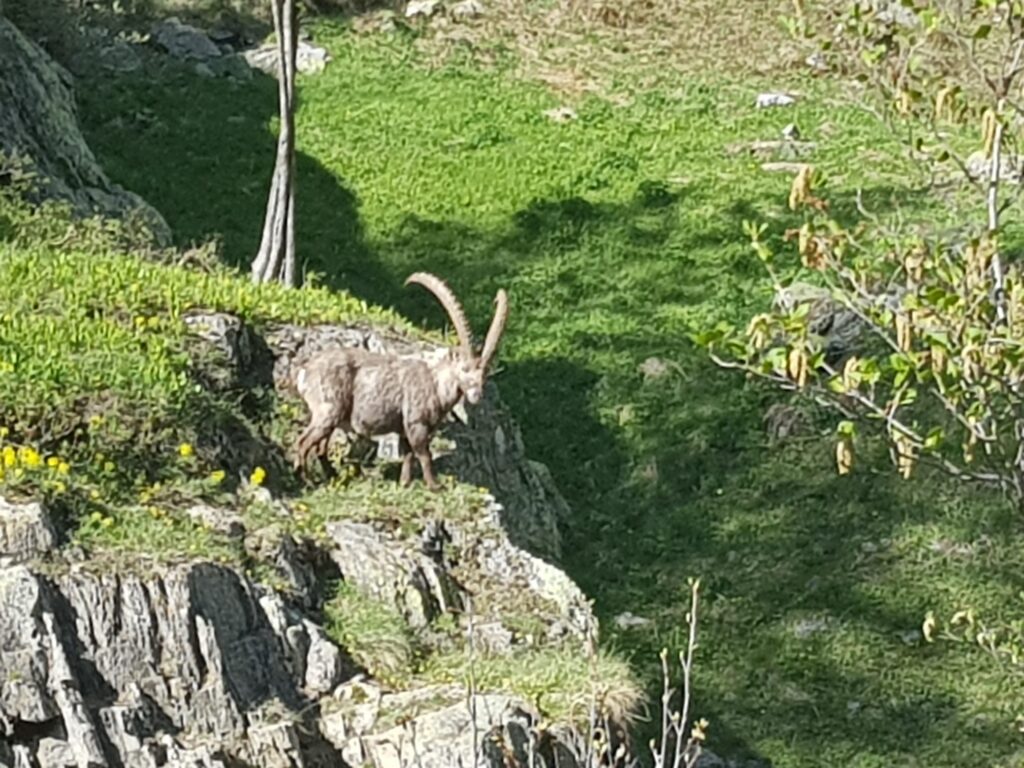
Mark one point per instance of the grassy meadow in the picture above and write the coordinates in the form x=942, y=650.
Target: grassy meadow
x=618, y=234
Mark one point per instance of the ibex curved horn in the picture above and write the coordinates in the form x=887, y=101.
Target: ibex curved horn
x=497, y=328
x=451, y=305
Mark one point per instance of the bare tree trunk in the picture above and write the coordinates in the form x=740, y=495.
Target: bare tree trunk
x=275, y=259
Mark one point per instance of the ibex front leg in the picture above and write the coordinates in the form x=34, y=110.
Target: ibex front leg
x=418, y=436
x=407, y=458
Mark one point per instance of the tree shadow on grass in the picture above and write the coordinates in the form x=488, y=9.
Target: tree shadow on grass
x=201, y=151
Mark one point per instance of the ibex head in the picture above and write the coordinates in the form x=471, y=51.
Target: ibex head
x=471, y=369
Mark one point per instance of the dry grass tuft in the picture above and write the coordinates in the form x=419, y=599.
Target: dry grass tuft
x=598, y=46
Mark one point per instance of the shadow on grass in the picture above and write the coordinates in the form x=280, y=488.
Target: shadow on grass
x=677, y=480
x=667, y=472
x=202, y=152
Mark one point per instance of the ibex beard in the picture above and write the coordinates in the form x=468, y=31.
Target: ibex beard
x=370, y=394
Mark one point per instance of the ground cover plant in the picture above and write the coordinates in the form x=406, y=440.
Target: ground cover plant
x=618, y=234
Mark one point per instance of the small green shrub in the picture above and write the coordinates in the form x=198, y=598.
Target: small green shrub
x=373, y=632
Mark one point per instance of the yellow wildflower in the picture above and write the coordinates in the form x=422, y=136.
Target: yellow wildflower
x=258, y=476
x=64, y=468
x=108, y=466
x=30, y=457
x=185, y=450
x=217, y=476
x=4, y=431
x=10, y=458
x=52, y=462
x=94, y=494
x=107, y=522
x=60, y=487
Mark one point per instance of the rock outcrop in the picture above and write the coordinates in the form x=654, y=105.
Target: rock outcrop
x=38, y=122
x=125, y=661
x=115, y=659
x=133, y=663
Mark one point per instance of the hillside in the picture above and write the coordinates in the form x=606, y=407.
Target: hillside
x=170, y=592
x=601, y=174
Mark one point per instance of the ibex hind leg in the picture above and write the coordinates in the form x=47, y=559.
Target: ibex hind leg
x=322, y=449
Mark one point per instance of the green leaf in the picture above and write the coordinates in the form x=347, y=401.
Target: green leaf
x=934, y=438
x=899, y=362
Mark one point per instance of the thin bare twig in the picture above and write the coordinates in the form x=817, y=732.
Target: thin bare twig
x=998, y=276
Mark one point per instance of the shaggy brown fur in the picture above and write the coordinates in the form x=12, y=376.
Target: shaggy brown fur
x=368, y=394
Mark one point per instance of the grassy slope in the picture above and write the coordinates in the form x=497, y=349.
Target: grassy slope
x=609, y=262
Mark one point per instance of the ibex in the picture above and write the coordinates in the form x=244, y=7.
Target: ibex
x=369, y=394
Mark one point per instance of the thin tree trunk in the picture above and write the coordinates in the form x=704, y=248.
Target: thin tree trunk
x=275, y=259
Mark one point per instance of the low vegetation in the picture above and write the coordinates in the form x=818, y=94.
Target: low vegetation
x=374, y=633
x=95, y=363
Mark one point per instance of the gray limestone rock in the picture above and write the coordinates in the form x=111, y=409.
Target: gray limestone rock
x=309, y=59
x=26, y=532
x=438, y=728
x=132, y=668
x=183, y=41
x=378, y=564
x=39, y=123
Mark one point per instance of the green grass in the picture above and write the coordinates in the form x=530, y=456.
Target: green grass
x=560, y=681
x=373, y=632
x=405, y=509
x=617, y=235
